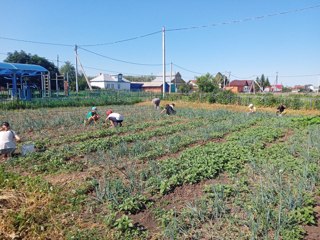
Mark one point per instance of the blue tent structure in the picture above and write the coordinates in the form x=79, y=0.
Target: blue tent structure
x=16, y=71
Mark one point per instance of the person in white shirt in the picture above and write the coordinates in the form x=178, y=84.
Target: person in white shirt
x=8, y=139
x=252, y=109
x=114, y=118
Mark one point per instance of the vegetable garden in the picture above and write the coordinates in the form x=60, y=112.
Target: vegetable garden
x=201, y=174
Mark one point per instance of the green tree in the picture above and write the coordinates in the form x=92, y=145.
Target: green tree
x=221, y=80
x=185, y=88
x=140, y=78
x=69, y=69
x=263, y=82
x=23, y=57
x=207, y=83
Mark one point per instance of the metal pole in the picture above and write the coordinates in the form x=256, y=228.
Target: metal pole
x=57, y=88
x=76, y=53
x=170, y=78
x=68, y=90
x=163, y=61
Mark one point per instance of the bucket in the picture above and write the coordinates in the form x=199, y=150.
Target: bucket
x=27, y=148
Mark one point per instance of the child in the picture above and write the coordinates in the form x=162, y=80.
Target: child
x=114, y=118
x=92, y=116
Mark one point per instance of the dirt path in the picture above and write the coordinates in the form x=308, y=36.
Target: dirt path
x=313, y=232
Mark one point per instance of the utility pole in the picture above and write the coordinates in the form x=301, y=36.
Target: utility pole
x=58, y=61
x=164, y=60
x=170, y=78
x=76, y=53
x=276, y=78
x=229, y=78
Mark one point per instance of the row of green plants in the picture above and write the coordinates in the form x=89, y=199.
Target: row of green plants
x=265, y=100
x=270, y=198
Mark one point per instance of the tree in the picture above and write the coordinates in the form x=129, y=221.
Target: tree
x=221, y=80
x=140, y=78
x=263, y=82
x=207, y=83
x=23, y=57
x=185, y=88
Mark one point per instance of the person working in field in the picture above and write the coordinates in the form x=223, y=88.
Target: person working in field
x=8, y=139
x=115, y=119
x=281, y=110
x=252, y=109
x=169, y=109
x=156, y=103
x=92, y=116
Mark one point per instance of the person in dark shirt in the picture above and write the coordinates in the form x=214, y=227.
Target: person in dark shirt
x=169, y=109
x=281, y=110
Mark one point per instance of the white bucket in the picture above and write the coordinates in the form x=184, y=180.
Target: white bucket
x=27, y=148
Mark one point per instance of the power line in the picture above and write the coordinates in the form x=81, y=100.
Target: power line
x=119, y=60
x=37, y=42
x=186, y=69
x=123, y=40
x=243, y=20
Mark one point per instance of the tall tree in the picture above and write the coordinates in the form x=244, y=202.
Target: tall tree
x=207, y=83
x=69, y=69
x=221, y=80
x=23, y=57
x=263, y=82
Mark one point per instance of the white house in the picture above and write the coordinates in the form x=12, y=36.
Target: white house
x=106, y=81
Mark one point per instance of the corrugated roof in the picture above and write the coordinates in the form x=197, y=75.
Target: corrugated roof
x=152, y=84
x=19, y=68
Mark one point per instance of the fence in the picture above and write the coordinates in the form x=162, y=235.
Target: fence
x=85, y=98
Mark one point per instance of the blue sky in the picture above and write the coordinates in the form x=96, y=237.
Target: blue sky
x=284, y=43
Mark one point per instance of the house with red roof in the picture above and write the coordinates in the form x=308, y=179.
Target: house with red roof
x=241, y=86
x=276, y=88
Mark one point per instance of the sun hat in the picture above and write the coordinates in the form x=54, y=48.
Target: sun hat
x=250, y=105
x=94, y=108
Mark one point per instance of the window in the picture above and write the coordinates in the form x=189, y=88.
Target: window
x=118, y=86
x=246, y=88
x=108, y=85
x=112, y=86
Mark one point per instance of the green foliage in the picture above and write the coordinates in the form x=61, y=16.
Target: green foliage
x=133, y=204
x=185, y=88
x=23, y=57
x=206, y=83
x=140, y=78
x=223, y=97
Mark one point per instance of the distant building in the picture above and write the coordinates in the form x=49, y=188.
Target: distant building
x=136, y=86
x=156, y=87
x=309, y=88
x=106, y=81
x=241, y=86
x=276, y=88
x=297, y=88
x=175, y=82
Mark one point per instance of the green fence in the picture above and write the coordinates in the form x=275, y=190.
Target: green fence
x=85, y=98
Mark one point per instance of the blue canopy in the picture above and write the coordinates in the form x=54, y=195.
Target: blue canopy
x=21, y=69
